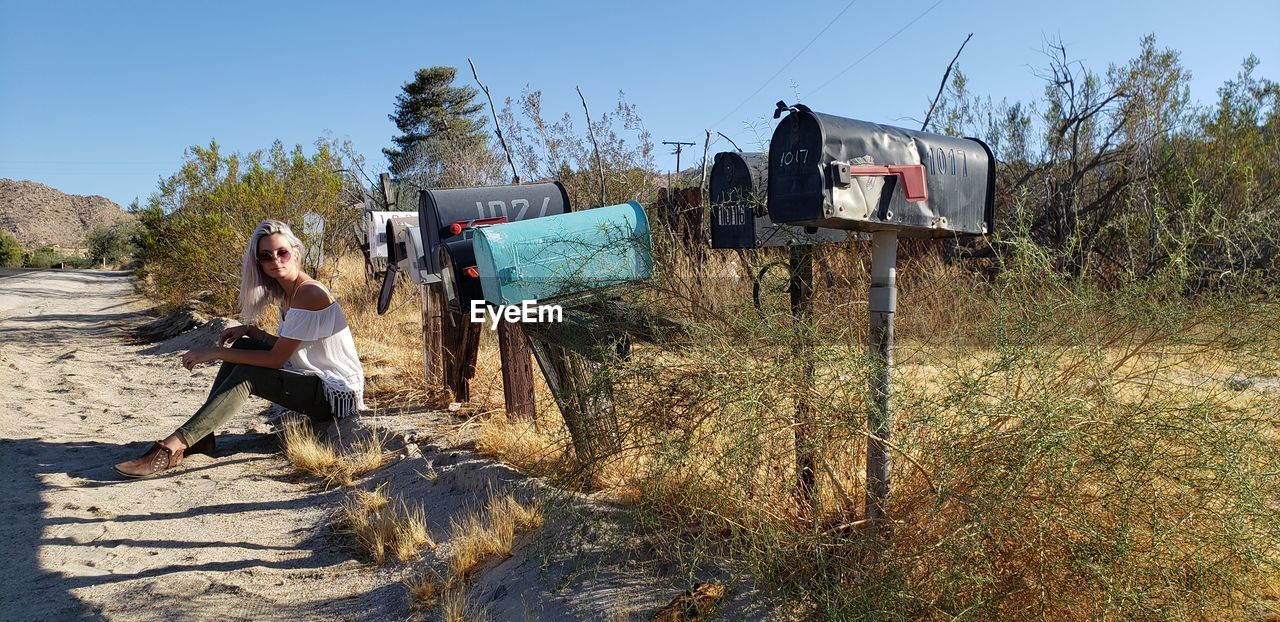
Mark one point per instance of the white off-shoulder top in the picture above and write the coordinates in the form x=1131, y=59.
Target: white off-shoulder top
x=327, y=351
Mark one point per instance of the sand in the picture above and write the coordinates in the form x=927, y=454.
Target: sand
x=232, y=535
x=240, y=536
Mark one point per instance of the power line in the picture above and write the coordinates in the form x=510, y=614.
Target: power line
x=873, y=50
x=788, y=63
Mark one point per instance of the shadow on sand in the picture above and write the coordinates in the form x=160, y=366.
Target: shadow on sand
x=31, y=591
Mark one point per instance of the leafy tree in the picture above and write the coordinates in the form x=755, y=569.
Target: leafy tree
x=443, y=140
x=10, y=251
x=112, y=243
x=561, y=150
x=193, y=230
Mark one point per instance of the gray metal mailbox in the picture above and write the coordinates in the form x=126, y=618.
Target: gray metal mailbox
x=404, y=255
x=739, y=213
x=376, y=234
x=829, y=171
x=446, y=213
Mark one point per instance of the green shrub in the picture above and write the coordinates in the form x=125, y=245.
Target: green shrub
x=10, y=251
x=46, y=257
x=1060, y=450
x=112, y=243
x=191, y=234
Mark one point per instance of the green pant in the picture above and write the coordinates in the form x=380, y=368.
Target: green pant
x=235, y=383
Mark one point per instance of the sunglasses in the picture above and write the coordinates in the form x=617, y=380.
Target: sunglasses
x=278, y=255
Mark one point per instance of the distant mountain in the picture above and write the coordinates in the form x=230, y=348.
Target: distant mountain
x=39, y=215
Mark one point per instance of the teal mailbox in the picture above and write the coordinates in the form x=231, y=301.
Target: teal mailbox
x=555, y=258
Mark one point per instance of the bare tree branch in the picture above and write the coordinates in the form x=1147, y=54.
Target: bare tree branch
x=941, y=87
x=596, y=146
x=515, y=177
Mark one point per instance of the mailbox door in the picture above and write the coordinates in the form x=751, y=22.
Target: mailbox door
x=456, y=256
x=439, y=209
x=565, y=255
x=737, y=196
x=804, y=187
x=739, y=215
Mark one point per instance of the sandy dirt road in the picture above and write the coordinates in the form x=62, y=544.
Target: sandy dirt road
x=233, y=538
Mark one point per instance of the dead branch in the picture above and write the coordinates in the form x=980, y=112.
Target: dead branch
x=515, y=177
x=925, y=126
x=594, y=145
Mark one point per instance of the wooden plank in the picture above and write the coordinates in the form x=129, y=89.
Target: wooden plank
x=460, y=339
x=517, y=371
x=584, y=392
x=432, y=348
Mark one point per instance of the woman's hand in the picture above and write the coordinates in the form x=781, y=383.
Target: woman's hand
x=230, y=335
x=196, y=356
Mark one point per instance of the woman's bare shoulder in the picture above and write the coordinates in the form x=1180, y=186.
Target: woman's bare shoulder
x=311, y=296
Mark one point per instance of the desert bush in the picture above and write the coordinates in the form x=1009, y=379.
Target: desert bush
x=46, y=257
x=337, y=467
x=10, y=251
x=194, y=228
x=112, y=243
x=1061, y=449
x=560, y=151
x=1118, y=172
x=382, y=526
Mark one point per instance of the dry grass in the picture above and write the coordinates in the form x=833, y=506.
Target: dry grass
x=310, y=455
x=390, y=345
x=481, y=536
x=381, y=526
x=424, y=590
x=1051, y=442
x=455, y=608
x=1078, y=425
x=476, y=538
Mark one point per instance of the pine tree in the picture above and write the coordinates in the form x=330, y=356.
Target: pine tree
x=443, y=139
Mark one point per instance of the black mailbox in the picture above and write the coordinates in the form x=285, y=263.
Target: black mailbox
x=829, y=171
x=739, y=214
x=446, y=213
x=458, y=272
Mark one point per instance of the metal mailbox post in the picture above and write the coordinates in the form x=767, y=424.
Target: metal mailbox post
x=829, y=171
x=570, y=260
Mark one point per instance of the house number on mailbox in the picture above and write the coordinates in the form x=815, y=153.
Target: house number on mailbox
x=499, y=208
x=797, y=156
x=943, y=162
x=732, y=215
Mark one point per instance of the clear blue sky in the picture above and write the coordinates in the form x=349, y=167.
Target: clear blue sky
x=103, y=97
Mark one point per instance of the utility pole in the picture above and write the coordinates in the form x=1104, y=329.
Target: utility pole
x=679, y=147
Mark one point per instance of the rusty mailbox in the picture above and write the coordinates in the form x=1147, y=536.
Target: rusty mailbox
x=739, y=213
x=829, y=171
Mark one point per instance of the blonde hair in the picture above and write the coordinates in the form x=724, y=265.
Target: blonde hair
x=257, y=290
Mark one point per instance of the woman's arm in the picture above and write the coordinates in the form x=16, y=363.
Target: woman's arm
x=275, y=358
x=230, y=335
x=307, y=297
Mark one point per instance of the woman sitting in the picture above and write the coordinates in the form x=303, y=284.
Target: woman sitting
x=311, y=367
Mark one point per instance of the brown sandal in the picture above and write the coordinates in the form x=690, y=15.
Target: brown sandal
x=158, y=458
